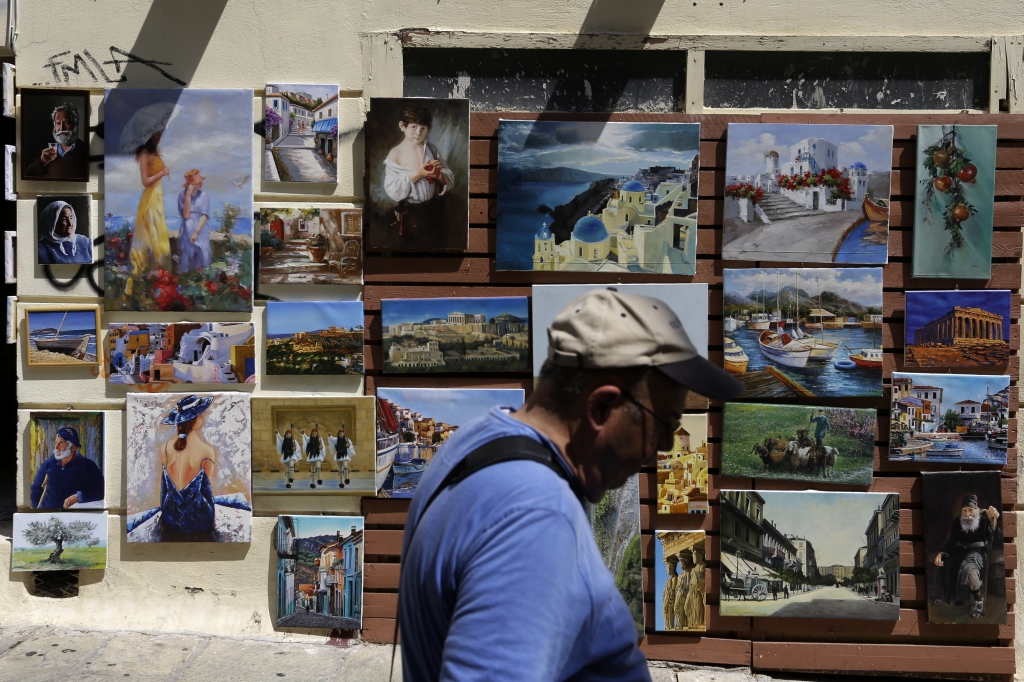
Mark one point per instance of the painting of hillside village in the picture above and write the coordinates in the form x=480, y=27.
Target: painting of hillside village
x=683, y=470
x=680, y=585
x=456, y=334
x=320, y=572
x=957, y=328
x=615, y=521
x=591, y=196
x=807, y=554
x=804, y=332
x=949, y=418
x=807, y=193
x=425, y=418
x=308, y=245
x=181, y=352
x=798, y=442
x=301, y=133
x=314, y=337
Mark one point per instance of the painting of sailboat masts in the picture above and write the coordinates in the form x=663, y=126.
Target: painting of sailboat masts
x=591, y=196
x=181, y=353
x=808, y=554
x=799, y=442
x=949, y=418
x=62, y=336
x=424, y=418
x=804, y=332
x=957, y=328
x=807, y=193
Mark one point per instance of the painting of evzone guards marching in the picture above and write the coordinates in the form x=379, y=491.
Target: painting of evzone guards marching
x=799, y=443
x=679, y=581
x=963, y=542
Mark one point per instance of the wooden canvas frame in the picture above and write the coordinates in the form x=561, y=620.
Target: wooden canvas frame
x=61, y=309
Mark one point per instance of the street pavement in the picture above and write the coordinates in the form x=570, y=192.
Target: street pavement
x=301, y=619
x=291, y=265
x=806, y=235
x=303, y=163
x=824, y=602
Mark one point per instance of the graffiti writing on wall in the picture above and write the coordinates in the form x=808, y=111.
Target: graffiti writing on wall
x=63, y=64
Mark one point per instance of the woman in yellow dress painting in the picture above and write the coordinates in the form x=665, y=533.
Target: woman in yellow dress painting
x=151, y=247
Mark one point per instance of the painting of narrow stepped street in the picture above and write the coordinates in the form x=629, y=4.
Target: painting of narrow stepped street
x=301, y=123
x=615, y=521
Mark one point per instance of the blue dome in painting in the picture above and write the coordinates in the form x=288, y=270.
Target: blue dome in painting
x=544, y=233
x=859, y=165
x=634, y=186
x=589, y=229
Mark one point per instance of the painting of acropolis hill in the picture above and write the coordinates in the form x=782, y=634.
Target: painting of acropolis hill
x=807, y=193
x=957, y=328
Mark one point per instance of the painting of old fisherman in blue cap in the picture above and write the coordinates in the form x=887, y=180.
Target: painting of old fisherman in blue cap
x=65, y=460
x=189, y=468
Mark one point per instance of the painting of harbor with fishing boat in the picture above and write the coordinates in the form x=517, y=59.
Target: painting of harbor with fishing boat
x=804, y=332
x=957, y=328
x=799, y=442
x=59, y=336
x=807, y=193
x=424, y=418
x=949, y=418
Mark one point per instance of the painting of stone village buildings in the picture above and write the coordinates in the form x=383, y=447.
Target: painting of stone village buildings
x=456, y=334
x=588, y=196
x=683, y=470
x=957, y=328
x=181, y=352
x=309, y=245
x=314, y=337
x=301, y=133
x=320, y=572
x=807, y=193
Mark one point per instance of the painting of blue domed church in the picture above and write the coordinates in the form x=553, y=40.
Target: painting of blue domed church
x=807, y=193
x=592, y=196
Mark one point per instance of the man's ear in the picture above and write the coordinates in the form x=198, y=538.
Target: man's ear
x=600, y=403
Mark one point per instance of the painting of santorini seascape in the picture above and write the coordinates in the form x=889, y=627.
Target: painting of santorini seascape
x=680, y=586
x=311, y=246
x=591, y=196
x=301, y=125
x=314, y=337
x=954, y=201
x=615, y=521
x=320, y=572
x=62, y=336
x=797, y=554
x=65, y=460
x=302, y=446
x=189, y=467
x=683, y=470
x=423, y=419
x=181, y=353
x=456, y=334
x=64, y=541
x=178, y=200
x=965, y=562
x=957, y=328
x=949, y=418
x=799, y=443
x=811, y=193
x=804, y=332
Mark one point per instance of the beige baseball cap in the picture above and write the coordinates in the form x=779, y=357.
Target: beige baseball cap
x=604, y=328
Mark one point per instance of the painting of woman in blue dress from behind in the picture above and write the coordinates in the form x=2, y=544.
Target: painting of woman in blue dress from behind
x=189, y=468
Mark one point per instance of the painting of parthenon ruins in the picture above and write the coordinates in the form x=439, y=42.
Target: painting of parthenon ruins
x=957, y=328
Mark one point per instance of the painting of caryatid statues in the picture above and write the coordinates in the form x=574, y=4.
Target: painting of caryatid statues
x=300, y=123
x=808, y=193
x=957, y=328
x=310, y=245
x=680, y=585
x=594, y=196
x=320, y=572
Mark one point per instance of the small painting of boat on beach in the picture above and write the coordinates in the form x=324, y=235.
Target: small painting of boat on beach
x=807, y=193
x=63, y=335
x=803, y=332
x=949, y=418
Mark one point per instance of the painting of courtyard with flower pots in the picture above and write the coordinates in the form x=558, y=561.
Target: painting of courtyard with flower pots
x=311, y=245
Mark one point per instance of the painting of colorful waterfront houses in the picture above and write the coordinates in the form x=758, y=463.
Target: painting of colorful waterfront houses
x=808, y=193
x=590, y=196
x=320, y=572
x=308, y=245
x=301, y=133
x=182, y=352
x=680, y=585
x=804, y=332
x=683, y=470
x=425, y=418
x=314, y=337
x=456, y=334
x=957, y=328
x=808, y=554
x=949, y=418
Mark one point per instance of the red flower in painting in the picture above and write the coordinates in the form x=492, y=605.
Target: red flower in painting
x=211, y=286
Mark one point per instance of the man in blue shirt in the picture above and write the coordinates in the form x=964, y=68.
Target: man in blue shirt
x=66, y=478
x=501, y=577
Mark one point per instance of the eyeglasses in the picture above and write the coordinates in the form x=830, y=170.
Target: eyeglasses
x=668, y=425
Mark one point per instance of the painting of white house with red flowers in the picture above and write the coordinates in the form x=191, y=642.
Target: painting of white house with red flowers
x=178, y=200
x=807, y=193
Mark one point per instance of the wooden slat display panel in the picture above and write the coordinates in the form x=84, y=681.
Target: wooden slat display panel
x=909, y=645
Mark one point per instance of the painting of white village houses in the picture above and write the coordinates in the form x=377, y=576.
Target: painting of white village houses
x=301, y=131
x=597, y=197
x=807, y=193
x=683, y=470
